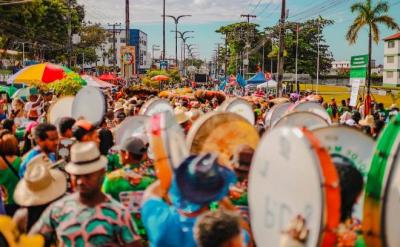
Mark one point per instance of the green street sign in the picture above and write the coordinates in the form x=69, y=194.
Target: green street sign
x=359, y=61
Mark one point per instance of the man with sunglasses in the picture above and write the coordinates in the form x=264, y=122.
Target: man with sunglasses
x=128, y=183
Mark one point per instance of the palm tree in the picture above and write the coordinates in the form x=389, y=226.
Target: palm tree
x=370, y=16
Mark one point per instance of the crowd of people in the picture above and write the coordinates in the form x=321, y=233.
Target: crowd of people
x=71, y=184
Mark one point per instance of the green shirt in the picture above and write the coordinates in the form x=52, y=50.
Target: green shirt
x=8, y=182
x=113, y=162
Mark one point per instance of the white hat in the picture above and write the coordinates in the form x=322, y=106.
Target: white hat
x=40, y=184
x=85, y=159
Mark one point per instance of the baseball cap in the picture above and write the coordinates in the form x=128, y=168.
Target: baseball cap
x=133, y=145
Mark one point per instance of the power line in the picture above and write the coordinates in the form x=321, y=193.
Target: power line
x=15, y=3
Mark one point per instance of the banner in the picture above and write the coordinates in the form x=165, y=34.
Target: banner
x=355, y=87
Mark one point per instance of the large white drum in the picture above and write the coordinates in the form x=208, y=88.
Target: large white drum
x=302, y=119
x=239, y=106
x=90, y=104
x=276, y=112
x=61, y=108
x=314, y=107
x=155, y=106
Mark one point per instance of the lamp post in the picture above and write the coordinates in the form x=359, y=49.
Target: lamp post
x=184, y=51
x=183, y=38
x=176, y=20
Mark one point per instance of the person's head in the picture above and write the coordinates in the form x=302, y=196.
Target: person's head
x=8, y=143
x=65, y=126
x=343, y=102
x=119, y=116
x=87, y=168
x=84, y=131
x=9, y=125
x=351, y=185
x=218, y=229
x=46, y=137
x=106, y=141
x=33, y=97
x=380, y=106
x=133, y=150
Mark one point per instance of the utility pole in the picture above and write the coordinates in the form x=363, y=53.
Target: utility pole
x=163, y=52
x=114, y=31
x=248, y=16
x=318, y=35
x=127, y=22
x=226, y=57
x=297, y=54
x=263, y=58
x=176, y=20
x=69, y=43
x=281, y=48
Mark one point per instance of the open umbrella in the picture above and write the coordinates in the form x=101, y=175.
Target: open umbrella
x=107, y=77
x=95, y=82
x=40, y=73
x=160, y=78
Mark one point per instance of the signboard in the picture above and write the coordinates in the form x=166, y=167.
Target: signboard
x=200, y=78
x=128, y=55
x=163, y=64
x=358, y=69
x=355, y=87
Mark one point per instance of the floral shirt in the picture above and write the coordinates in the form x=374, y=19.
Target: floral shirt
x=74, y=224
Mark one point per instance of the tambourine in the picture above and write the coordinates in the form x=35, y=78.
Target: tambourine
x=155, y=106
x=90, y=104
x=309, y=120
x=309, y=106
x=381, y=204
x=240, y=107
x=131, y=126
x=61, y=108
x=296, y=177
x=276, y=112
x=222, y=133
x=352, y=145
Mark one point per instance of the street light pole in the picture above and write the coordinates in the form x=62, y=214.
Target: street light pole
x=184, y=52
x=163, y=53
x=176, y=20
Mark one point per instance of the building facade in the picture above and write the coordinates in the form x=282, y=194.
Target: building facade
x=341, y=65
x=138, y=39
x=391, y=71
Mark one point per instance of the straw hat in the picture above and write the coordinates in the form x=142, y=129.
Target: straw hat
x=85, y=159
x=40, y=184
x=368, y=121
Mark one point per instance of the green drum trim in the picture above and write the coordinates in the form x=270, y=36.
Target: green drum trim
x=379, y=164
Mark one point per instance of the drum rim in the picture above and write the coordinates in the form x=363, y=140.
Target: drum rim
x=104, y=103
x=48, y=115
x=298, y=112
x=327, y=117
x=146, y=105
x=322, y=193
x=389, y=133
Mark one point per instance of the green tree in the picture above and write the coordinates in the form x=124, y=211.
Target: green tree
x=371, y=16
x=92, y=37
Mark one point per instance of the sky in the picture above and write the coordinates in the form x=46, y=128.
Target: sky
x=209, y=15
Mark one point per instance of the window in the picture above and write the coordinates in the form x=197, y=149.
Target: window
x=390, y=59
x=389, y=74
x=123, y=40
x=391, y=44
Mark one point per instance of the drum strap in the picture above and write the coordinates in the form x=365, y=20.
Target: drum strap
x=14, y=171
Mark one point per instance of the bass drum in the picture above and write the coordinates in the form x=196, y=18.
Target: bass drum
x=381, y=204
x=155, y=106
x=297, y=177
x=222, y=133
x=351, y=145
x=89, y=104
x=276, y=113
x=131, y=126
x=314, y=107
x=240, y=107
x=61, y=108
x=302, y=119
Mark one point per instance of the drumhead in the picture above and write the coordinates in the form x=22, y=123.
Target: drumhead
x=309, y=106
x=222, y=133
x=155, y=106
x=240, y=107
x=302, y=119
x=377, y=188
x=172, y=137
x=90, y=104
x=276, y=112
x=352, y=145
x=131, y=126
x=283, y=184
x=61, y=108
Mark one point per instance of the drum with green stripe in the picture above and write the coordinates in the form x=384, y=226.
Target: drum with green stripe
x=381, y=166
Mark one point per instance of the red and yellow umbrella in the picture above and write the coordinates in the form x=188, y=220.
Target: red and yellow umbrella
x=160, y=78
x=40, y=73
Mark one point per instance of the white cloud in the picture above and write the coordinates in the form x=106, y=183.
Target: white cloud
x=147, y=11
